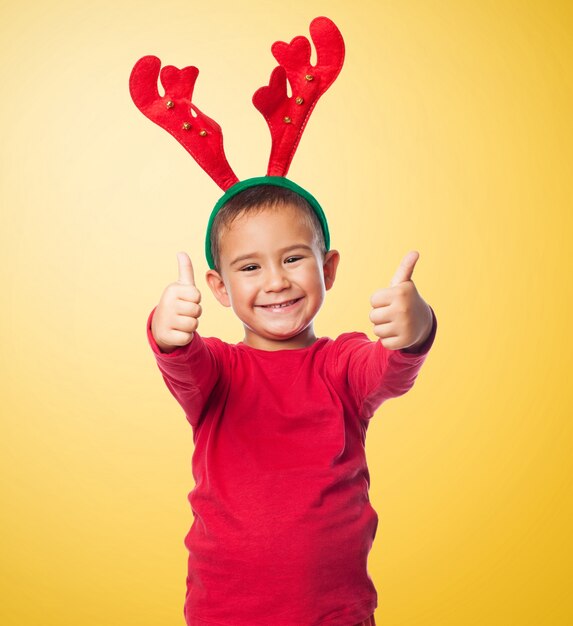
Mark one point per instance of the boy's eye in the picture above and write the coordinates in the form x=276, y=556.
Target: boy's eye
x=248, y=268
x=292, y=259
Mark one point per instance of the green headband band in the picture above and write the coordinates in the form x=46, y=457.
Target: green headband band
x=278, y=181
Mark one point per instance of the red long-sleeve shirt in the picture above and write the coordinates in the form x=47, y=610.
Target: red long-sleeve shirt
x=282, y=519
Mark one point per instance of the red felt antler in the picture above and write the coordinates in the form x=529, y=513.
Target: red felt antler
x=287, y=117
x=199, y=135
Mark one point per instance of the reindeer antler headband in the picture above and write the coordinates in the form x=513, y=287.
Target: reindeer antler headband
x=286, y=115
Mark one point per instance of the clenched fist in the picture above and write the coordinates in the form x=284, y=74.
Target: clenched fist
x=176, y=316
x=401, y=318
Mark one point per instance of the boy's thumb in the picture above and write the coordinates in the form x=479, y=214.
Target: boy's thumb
x=405, y=269
x=186, y=276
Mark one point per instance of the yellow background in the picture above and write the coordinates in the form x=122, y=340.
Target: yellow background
x=449, y=132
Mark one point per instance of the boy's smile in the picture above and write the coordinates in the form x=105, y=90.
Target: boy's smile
x=274, y=276
x=280, y=305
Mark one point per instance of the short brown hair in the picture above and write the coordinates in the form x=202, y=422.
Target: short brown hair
x=255, y=199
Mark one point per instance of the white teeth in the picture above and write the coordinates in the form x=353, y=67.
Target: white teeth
x=279, y=306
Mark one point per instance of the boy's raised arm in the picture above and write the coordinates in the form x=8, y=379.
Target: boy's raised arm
x=188, y=363
x=406, y=326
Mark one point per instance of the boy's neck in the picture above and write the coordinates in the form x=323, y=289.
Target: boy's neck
x=303, y=340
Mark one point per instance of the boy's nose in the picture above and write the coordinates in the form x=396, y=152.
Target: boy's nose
x=276, y=280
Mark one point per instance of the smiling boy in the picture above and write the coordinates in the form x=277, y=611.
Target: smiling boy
x=282, y=519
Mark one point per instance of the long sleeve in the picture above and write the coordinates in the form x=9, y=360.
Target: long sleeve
x=190, y=372
x=374, y=373
x=281, y=477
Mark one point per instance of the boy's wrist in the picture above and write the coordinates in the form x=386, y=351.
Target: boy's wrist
x=164, y=348
x=168, y=349
x=420, y=346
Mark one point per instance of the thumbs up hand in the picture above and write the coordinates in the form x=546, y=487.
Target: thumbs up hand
x=176, y=316
x=401, y=318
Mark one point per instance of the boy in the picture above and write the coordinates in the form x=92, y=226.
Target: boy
x=282, y=520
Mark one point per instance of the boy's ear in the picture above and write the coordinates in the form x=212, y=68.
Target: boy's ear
x=329, y=267
x=217, y=286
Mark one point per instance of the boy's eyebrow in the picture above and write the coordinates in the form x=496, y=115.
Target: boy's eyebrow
x=251, y=255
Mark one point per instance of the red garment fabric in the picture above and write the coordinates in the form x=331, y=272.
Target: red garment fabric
x=282, y=519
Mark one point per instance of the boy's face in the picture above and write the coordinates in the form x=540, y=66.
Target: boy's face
x=274, y=277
